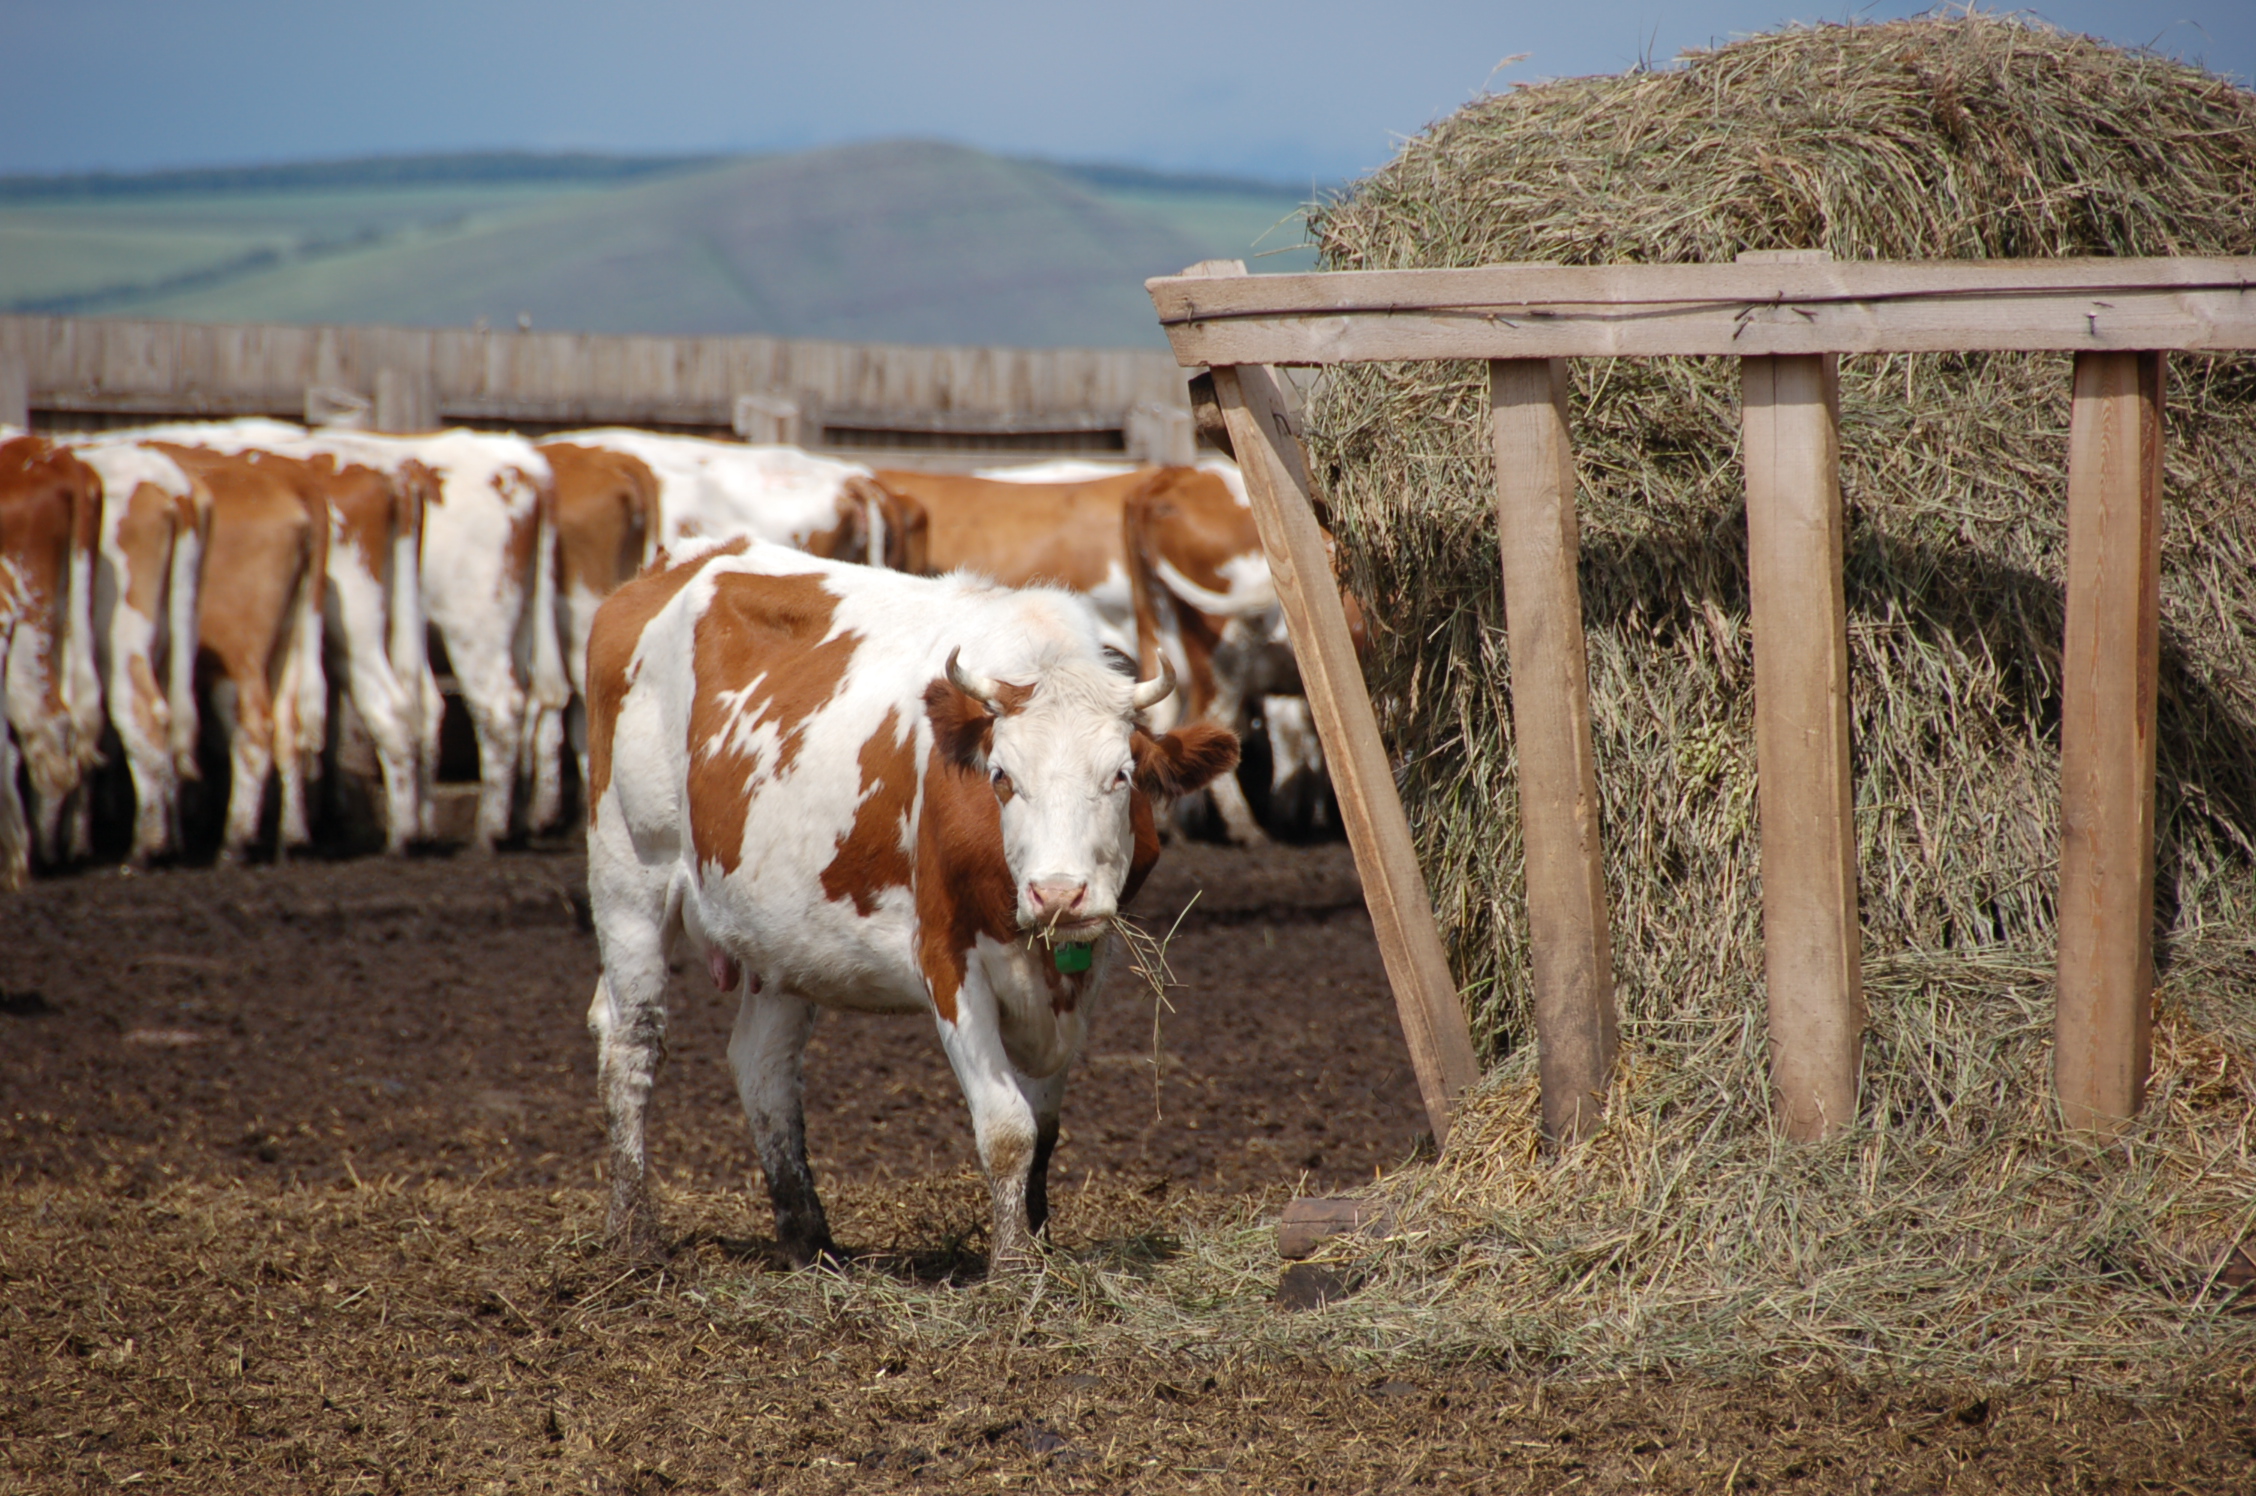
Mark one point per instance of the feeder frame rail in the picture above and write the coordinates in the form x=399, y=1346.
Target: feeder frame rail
x=1787, y=315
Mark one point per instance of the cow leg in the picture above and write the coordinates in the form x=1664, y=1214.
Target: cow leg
x=497, y=714
x=1237, y=816
x=385, y=711
x=1047, y=1097
x=633, y=921
x=15, y=831
x=767, y=1050
x=544, y=742
x=427, y=755
x=1003, y=1120
x=630, y=1040
x=144, y=728
x=250, y=758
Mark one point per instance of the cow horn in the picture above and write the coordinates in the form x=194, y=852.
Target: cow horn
x=1150, y=693
x=978, y=687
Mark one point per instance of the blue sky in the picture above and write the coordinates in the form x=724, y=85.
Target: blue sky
x=1315, y=89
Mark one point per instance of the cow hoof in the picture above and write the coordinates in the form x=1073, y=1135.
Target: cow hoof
x=635, y=1237
x=1014, y=1262
x=823, y=1253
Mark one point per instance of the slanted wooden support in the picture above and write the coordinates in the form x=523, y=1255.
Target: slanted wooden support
x=1813, y=958
x=1276, y=479
x=2101, y=1026
x=1572, y=941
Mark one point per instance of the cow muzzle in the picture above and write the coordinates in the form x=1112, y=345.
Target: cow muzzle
x=1060, y=908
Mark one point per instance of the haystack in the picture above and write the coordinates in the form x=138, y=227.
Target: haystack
x=1927, y=139
x=1953, y=1229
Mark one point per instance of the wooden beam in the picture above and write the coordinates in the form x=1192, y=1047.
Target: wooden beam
x=1276, y=480
x=1425, y=994
x=1573, y=956
x=1746, y=309
x=1812, y=943
x=2101, y=1028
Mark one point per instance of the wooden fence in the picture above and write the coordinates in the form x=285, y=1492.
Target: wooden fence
x=81, y=371
x=1786, y=316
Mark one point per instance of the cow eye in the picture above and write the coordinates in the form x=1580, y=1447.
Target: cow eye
x=1002, y=783
x=1120, y=779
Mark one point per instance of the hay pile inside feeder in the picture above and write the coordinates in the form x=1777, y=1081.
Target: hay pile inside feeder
x=1969, y=137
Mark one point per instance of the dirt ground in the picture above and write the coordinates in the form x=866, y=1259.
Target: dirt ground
x=300, y=1193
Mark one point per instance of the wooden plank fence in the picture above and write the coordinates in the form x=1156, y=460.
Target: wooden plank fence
x=61, y=371
x=1787, y=317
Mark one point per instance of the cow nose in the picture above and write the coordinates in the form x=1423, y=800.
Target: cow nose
x=1056, y=898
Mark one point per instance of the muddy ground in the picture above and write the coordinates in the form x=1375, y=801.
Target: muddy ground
x=298, y=1191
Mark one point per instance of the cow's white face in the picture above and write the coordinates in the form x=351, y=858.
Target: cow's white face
x=1062, y=768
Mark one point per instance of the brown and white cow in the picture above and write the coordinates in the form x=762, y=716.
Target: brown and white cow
x=488, y=573
x=50, y=511
x=607, y=529
x=1169, y=557
x=372, y=598
x=720, y=490
x=849, y=788
x=156, y=521
x=259, y=624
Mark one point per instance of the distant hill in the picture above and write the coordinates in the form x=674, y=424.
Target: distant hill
x=900, y=241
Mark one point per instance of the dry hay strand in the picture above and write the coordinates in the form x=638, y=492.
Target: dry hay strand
x=1953, y=1230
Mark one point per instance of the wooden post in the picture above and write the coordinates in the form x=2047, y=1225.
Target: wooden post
x=1433, y=1019
x=15, y=392
x=1276, y=479
x=2101, y=1027
x=1566, y=883
x=1812, y=944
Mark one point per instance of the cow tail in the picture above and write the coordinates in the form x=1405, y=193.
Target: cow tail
x=407, y=644
x=312, y=679
x=82, y=680
x=549, y=687
x=648, y=514
x=191, y=524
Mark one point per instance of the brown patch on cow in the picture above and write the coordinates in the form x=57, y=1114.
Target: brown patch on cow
x=1019, y=533
x=612, y=640
x=963, y=886
x=908, y=529
x=763, y=655
x=870, y=858
x=606, y=515
x=266, y=553
x=962, y=730
x=1187, y=759
x=1144, y=844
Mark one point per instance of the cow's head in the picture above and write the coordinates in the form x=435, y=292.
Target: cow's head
x=1066, y=761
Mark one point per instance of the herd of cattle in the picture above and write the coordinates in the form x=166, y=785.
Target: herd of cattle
x=155, y=578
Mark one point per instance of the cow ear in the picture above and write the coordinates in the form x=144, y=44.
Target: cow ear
x=1182, y=761
x=962, y=729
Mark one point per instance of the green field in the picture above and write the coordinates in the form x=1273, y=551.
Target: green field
x=893, y=241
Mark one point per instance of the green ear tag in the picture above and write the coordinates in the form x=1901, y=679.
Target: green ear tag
x=1072, y=957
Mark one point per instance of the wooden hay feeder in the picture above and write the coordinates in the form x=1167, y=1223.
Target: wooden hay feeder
x=1787, y=316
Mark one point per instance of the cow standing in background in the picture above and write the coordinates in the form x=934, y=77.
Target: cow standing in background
x=488, y=577
x=156, y=521
x=1021, y=533
x=50, y=513
x=1209, y=610
x=259, y=625
x=856, y=789
x=372, y=612
x=716, y=490
x=607, y=529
